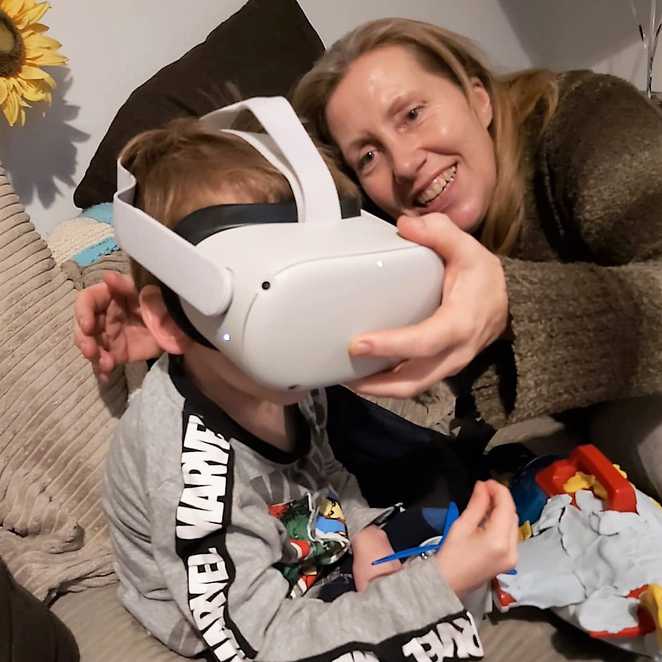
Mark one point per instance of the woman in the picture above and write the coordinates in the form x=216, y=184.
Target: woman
x=543, y=195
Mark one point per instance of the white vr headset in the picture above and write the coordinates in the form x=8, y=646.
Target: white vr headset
x=282, y=289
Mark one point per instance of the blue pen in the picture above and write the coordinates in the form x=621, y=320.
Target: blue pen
x=451, y=515
x=409, y=551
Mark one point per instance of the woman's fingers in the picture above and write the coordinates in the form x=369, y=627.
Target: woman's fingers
x=414, y=375
x=445, y=329
x=429, y=336
x=404, y=381
x=422, y=339
x=436, y=231
x=473, y=313
x=395, y=383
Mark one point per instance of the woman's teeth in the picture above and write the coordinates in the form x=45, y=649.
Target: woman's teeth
x=437, y=186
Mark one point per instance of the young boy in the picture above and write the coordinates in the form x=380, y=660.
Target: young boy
x=225, y=500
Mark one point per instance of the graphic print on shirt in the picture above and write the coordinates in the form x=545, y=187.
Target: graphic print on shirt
x=317, y=536
x=202, y=516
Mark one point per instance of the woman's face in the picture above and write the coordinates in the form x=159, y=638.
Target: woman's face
x=415, y=142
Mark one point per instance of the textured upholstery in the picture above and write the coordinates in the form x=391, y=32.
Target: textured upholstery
x=106, y=632
x=55, y=421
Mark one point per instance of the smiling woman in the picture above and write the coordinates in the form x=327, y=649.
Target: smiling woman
x=421, y=145
x=393, y=65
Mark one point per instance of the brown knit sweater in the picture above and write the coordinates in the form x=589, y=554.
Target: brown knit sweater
x=585, y=281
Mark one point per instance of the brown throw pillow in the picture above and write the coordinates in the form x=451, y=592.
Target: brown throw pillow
x=263, y=49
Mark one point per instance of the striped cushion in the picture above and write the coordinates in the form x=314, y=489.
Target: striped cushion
x=55, y=421
x=105, y=632
x=532, y=635
x=83, y=238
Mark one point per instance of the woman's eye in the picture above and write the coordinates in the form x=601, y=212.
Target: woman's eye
x=413, y=113
x=366, y=159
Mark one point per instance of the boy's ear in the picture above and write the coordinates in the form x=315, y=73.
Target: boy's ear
x=163, y=328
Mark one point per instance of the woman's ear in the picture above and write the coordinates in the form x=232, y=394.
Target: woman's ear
x=163, y=328
x=481, y=102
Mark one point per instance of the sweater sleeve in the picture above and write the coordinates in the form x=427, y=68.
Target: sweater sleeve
x=239, y=598
x=586, y=329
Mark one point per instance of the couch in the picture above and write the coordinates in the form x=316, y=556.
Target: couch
x=56, y=420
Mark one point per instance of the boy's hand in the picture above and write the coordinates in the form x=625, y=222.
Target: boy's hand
x=483, y=541
x=108, y=327
x=367, y=546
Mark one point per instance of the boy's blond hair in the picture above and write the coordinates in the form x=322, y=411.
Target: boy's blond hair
x=186, y=166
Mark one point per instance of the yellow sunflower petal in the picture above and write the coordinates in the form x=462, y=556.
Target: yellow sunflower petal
x=29, y=72
x=35, y=28
x=47, y=59
x=10, y=108
x=5, y=112
x=33, y=91
x=26, y=5
x=40, y=41
x=11, y=7
x=32, y=15
x=39, y=93
x=3, y=90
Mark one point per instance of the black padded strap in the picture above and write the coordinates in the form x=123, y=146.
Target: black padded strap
x=205, y=222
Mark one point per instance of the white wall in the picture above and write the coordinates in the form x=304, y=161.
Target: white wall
x=114, y=46
x=591, y=34
x=482, y=20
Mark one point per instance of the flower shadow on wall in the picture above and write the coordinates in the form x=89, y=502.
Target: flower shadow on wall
x=42, y=155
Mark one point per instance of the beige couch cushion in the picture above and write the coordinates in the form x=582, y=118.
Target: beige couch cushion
x=55, y=422
x=105, y=632
x=532, y=635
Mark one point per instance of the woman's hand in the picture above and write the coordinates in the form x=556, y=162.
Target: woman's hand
x=473, y=314
x=108, y=327
x=369, y=545
x=483, y=541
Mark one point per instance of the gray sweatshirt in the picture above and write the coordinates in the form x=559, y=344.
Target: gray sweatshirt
x=201, y=554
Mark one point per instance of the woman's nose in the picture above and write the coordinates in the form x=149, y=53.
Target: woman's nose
x=408, y=159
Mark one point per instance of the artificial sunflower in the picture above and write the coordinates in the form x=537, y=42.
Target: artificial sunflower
x=24, y=50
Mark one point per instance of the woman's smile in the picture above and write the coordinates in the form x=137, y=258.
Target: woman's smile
x=419, y=144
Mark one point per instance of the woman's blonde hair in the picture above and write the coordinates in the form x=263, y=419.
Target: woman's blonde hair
x=514, y=98
x=186, y=166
